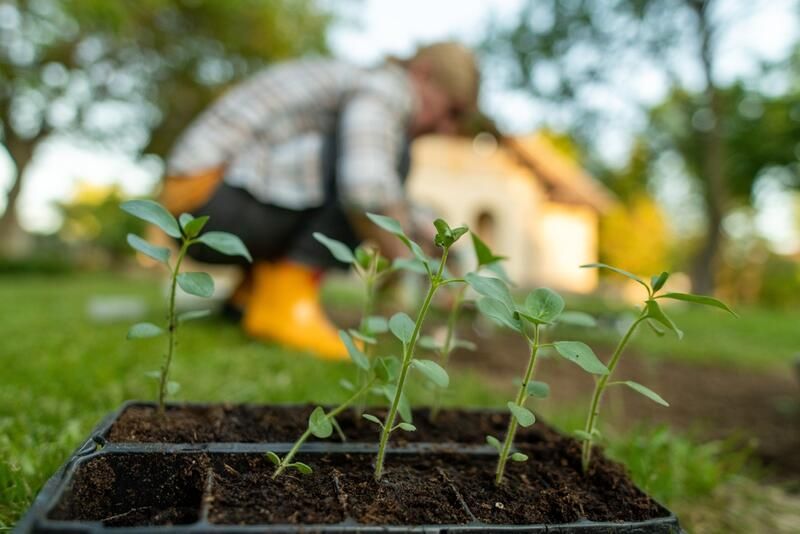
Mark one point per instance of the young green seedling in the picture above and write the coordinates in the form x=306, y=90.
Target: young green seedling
x=321, y=423
x=543, y=307
x=485, y=259
x=371, y=268
x=407, y=331
x=655, y=318
x=188, y=230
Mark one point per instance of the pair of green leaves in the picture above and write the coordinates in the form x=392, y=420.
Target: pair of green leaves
x=186, y=227
x=301, y=468
x=361, y=256
x=146, y=330
x=446, y=236
x=542, y=306
x=516, y=456
x=403, y=328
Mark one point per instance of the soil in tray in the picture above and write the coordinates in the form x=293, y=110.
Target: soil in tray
x=121, y=490
x=259, y=423
x=135, y=489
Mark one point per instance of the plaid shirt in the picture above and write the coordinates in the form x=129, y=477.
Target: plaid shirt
x=268, y=133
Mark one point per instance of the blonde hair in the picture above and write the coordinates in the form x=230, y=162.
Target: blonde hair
x=454, y=68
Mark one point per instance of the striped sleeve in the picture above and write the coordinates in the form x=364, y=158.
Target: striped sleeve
x=371, y=137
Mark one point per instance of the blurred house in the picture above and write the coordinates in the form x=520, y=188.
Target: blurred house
x=524, y=197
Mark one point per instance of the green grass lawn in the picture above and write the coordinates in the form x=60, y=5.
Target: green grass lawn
x=61, y=373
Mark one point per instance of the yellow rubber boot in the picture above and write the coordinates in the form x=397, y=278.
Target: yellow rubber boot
x=284, y=307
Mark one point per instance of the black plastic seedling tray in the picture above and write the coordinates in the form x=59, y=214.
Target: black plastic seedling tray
x=199, y=465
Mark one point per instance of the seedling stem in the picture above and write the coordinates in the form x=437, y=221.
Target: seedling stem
x=408, y=354
x=522, y=396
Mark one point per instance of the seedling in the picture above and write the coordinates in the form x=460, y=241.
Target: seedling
x=407, y=331
x=372, y=268
x=543, y=307
x=657, y=320
x=321, y=423
x=485, y=259
x=188, y=230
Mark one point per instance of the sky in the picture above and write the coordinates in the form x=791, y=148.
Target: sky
x=373, y=29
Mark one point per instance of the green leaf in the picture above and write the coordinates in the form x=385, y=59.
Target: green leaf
x=393, y=227
x=658, y=281
x=363, y=256
x=408, y=427
x=199, y=284
x=369, y=340
x=491, y=287
x=581, y=354
x=494, y=442
x=303, y=469
x=518, y=457
x=155, y=375
x=193, y=314
x=157, y=253
x=371, y=418
x=144, y=330
x=319, y=424
x=387, y=368
x=464, y=344
x=618, y=271
x=402, y=327
x=654, y=326
x=346, y=384
x=499, y=271
x=655, y=312
x=699, y=299
x=482, y=252
x=376, y=324
x=192, y=227
x=537, y=389
x=429, y=343
x=173, y=387
x=576, y=318
x=339, y=250
x=433, y=371
x=582, y=435
x=154, y=213
x=647, y=392
x=414, y=266
x=495, y=309
x=544, y=305
x=523, y=415
x=274, y=458
x=387, y=223
x=225, y=243
x=403, y=406
x=358, y=357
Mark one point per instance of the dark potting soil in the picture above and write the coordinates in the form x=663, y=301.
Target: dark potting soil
x=136, y=489
x=260, y=423
x=133, y=490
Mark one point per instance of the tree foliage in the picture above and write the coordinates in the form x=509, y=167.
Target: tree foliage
x=133, y=73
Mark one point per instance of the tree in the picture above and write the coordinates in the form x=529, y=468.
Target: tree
x=132, y=73
x=579, y=58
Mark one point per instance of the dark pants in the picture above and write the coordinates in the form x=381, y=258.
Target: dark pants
x=272, y=232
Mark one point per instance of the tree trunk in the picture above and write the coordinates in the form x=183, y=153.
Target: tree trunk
x=11, y=234
x=706, y=261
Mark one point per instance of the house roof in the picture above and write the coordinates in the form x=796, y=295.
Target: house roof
x=533, y=156
x=564, y=179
